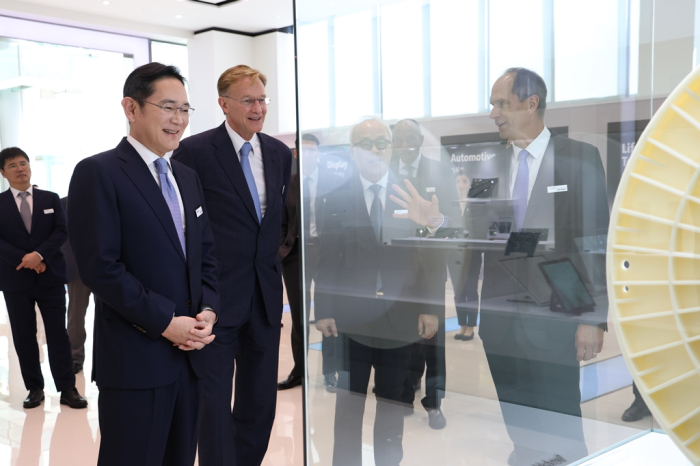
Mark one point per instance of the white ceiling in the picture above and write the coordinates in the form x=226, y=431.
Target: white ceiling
x=156, y=18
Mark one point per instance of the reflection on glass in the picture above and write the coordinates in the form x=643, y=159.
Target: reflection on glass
x=473, y=202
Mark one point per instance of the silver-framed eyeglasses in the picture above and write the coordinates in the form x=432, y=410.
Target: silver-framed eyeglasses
x=169, y=110
x=248, y=102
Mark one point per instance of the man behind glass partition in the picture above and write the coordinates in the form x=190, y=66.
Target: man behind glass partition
x=427, y=355
x=369, y=290
x=556, y=184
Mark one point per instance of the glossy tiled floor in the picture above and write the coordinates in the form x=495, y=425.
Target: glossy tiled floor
x=475, y=435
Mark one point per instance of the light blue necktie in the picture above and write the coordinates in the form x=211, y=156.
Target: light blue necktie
x=170, y=196
x=245, y=165
x=521, y=188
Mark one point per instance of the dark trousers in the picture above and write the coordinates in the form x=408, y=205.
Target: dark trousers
x=78, y=301
x=429, y=356
x=156, y=426
x=546, y=380
x=292, y=283
x=458, y=272
x=355, y=363
x=252, y=349
x=52, y=305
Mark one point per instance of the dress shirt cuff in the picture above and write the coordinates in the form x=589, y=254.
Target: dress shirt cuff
x=433, y=230
x=206, y=307
x=40, y=256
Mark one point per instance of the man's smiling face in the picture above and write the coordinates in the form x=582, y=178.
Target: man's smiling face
x=246, y=120
x=508, y=112
x=160, y=132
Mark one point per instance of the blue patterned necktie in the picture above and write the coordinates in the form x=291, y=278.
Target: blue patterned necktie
x=245, y=165
x=170, y=196
x=520, y=189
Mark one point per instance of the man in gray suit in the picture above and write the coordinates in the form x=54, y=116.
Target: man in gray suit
x=78, y=301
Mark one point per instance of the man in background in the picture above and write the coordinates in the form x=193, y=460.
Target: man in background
x=33, y=272
x=428, y=355
x=78, y=301
x=314, y=185
x=245, y=174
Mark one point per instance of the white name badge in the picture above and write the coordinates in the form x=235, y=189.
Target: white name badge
x=400, y=212
x=199, y=211
x=429, y=190
x=48, y=211
x=557, y=189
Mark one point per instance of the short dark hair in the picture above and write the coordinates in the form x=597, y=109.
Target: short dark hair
x=139, y=84
x=308, y=137
x=528, y=83
x=9, y=154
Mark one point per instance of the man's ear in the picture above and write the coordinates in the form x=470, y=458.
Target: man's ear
x=130, y=107
x=533, y=103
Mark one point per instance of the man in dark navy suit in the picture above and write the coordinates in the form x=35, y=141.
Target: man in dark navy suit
x=245, y=175
x=32, y=270
x=145, y=249
x=371, y=291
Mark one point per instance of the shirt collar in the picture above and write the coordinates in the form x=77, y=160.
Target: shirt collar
x=15, y=192
x=238, y=141
x=313, y=176
x=414, y=164
x=382, y=181
x=537, y=147
x=146, y=154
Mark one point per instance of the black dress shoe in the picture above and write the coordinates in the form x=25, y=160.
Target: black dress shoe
x=34, y=399
x=436, y=420
x=72, y=398
x=331, y=383
x=636, y=412
x=77, y=367
x=290, y=382
x=468, y=337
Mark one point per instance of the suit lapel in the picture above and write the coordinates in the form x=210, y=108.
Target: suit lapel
x=38, y=207
x=136, y=169
x=11, y=205
x=270, y=156
x=188, y=193
x=228, y=158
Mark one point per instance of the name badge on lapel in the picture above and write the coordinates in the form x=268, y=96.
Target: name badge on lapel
x=48, y=211
x=557, y=189
x=199, y=211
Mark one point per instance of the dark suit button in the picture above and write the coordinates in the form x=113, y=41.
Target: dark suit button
x=188, y=303
x=260, y=237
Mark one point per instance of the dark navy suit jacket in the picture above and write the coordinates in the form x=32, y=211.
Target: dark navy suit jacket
x=129, y=255
x=350, y=259
x=245, y=249
x=47, y=236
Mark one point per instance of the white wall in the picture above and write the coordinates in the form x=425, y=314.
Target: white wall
x=210, y=54
x=213, y=52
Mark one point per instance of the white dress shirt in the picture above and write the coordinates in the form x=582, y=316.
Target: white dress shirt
x=403, y=170
x=150, y=159
x=369, y=194
x=313, y=185
x=536, y=150
x=30, y=198
x=256, y=162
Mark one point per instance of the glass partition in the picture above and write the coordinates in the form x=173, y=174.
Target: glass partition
x=458, y=162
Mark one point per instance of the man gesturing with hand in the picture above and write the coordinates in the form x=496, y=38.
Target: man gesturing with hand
x=144, y=246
